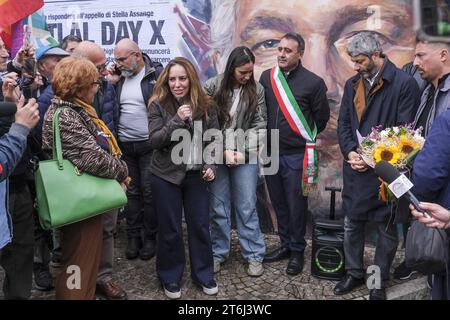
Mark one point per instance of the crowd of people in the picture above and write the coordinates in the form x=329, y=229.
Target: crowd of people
x=130, y=121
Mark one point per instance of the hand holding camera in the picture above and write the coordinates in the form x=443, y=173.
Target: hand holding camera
x=10, y=88
x=26, y=52
x=27, y=114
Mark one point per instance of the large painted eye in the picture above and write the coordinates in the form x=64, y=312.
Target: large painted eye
x=266, y=45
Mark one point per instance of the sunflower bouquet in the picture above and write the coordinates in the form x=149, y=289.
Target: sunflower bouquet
x=397, y=145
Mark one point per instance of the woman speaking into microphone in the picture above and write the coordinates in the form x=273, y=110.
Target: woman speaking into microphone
x=177, y=98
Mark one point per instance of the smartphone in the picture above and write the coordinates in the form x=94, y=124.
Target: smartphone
x=116, y=70
x=26, y=37
x=28, y=92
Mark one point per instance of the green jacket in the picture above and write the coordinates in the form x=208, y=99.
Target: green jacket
x=250, y=125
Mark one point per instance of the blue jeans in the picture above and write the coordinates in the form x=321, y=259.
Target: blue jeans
x=236, y=186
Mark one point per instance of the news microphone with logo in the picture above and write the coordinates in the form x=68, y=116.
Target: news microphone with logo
x=398, y=183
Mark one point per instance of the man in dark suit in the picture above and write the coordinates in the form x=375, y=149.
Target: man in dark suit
x=380, y=94
x=288, y=188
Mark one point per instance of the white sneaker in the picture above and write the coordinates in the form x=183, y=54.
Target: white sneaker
x=255, y=269
x=172, y=290
x=216, y=265
x=210, y=288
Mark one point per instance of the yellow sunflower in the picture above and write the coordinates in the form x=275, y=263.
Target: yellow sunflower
x=390, y=154
x=407, y=146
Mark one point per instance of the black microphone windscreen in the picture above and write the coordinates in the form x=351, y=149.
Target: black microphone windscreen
x=386, y=171
x=179, y=100
x=7, y=108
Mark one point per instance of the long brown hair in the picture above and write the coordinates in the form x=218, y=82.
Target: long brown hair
x=238, y=57
x=196, y=98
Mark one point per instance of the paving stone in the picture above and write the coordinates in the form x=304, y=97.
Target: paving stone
x=141, y=282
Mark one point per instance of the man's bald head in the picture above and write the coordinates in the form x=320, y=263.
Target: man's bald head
x=127, y=44
x=89, y=50
x=128, y=57
x=94, y=53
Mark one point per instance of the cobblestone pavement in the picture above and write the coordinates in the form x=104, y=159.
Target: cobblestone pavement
x=139, y=278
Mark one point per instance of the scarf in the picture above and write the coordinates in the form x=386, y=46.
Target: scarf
x=112, y=142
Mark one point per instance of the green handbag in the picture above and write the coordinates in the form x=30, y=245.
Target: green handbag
x=65, y=195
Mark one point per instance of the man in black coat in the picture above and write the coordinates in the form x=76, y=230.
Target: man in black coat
x=308, y=98
x=380, y=94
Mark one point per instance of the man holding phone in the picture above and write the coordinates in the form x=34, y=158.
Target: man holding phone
x=134, y=88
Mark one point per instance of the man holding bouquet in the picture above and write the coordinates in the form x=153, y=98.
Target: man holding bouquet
x=379, y=94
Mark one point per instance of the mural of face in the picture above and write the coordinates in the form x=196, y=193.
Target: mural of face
x=327, y=26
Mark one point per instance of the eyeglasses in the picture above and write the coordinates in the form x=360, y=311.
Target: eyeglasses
x=122, y=59
x=101, y=67
x=98, y=83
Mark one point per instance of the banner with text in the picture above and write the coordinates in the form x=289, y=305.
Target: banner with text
x=106, y=22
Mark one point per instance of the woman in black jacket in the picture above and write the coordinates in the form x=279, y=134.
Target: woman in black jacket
x=178, y=108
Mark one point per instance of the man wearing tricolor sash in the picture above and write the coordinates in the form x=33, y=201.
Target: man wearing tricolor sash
x=380, y=94
x=297, y=106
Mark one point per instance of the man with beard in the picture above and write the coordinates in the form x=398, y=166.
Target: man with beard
x=297, y=106
x=138, y=75
x=380, y=94
x=326, y=26
x=432, y=61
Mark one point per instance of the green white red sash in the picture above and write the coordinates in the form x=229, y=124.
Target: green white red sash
x=299, y=125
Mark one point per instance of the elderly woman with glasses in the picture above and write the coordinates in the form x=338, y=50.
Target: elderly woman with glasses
x=90, y=146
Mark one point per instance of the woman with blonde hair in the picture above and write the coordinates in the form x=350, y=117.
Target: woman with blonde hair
x=87, y=142
x=177, y=102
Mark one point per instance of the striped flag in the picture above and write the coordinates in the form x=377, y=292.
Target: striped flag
x=40, y=36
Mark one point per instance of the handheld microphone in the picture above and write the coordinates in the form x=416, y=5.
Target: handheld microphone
x=398, y=183
x=7, y=109
x=180, y=103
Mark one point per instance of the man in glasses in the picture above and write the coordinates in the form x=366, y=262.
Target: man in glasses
x=104, y=103
x=138, y=75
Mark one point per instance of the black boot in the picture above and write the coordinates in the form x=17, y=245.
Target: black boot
x=42, y=277
x=133, y=247
x=148, y=250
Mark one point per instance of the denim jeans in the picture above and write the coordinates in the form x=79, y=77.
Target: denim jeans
x=236, y=186
x=139, y=212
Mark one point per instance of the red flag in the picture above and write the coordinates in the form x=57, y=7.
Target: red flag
x=13, y=10
x=6, y=35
